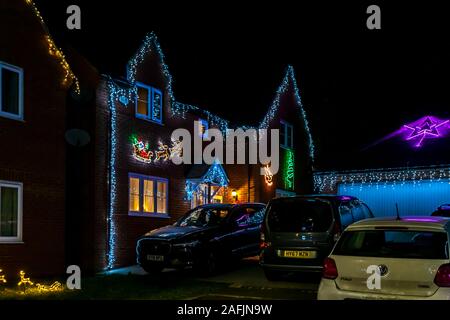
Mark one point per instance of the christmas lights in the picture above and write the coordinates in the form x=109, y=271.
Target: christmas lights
x=265, y=123
x=289, y=172
x=69, y=77
x=114, y=93
x=54, y=287
x=162, y=152
x=24, y=281
x=215, y=175
x=426, y=128
x=380, y=178
x=268, y=176
x=141, y=150
x=2, y=277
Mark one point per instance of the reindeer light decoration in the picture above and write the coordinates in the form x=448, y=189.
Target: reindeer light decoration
x=163, y=152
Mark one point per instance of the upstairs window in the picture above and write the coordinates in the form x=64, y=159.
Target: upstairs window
x=202, y=128
x=286, y=135
x=11, y=91
x=149, y=102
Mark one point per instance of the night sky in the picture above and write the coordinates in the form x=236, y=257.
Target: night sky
x=357, y=85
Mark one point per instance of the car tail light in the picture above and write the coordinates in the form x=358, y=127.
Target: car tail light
x=442, y=278
x=262, y=243
x=329, y=269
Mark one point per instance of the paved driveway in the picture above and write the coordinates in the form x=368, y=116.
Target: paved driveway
x=245, y=280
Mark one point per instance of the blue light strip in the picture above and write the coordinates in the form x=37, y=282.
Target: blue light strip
x=327, y=181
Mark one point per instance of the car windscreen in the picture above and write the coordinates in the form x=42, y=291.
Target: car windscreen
x=299, y=215
x=201, y=217
x=393, y=244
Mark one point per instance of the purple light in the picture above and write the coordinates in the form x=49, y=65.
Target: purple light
x=345, y=198
x=421, y=219
x=427, y=127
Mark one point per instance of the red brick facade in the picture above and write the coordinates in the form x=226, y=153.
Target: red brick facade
x=33, y=150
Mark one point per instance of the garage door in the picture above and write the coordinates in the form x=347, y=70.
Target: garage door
x=420, y=198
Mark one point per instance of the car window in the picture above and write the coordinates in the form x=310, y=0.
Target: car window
x=393, y=244
x=367, y=212
x=246, y=216
x=299, y=215
x=358, y=212
x=258, y=216
x=345, y=212
x=201, y=216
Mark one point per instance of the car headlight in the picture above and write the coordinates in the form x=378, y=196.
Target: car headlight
x=187, y=244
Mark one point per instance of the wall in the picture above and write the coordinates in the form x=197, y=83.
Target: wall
x=32, y=151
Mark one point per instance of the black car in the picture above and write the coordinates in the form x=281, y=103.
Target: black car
x=298, y=233
x=442, y=211
x=205, y=238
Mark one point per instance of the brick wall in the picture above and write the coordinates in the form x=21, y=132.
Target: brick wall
x=32, y=151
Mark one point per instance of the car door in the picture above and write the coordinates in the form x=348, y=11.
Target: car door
x=254, y=220
x=236, y=239
x=241, y=230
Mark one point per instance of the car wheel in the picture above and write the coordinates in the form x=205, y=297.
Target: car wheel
x=153, y=269
x=207, y=266
x=273, y=275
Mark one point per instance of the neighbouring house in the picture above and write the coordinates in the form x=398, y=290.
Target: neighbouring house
x=35, y=80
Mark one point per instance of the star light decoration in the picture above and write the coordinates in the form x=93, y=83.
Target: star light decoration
x=425, y=128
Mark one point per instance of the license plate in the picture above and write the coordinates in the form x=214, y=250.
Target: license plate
x=298, y=254
x=151, y=257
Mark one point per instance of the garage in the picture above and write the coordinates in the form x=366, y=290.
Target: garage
x=413, y=197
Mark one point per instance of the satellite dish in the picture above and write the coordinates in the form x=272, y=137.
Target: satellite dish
x=77, y=137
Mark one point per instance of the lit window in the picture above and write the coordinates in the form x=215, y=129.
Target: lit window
x=147, y=195
x=162, y=197
x=11, y=92
x=286, y=135
x=202, y=128
x=10, y=211
x=149, y=103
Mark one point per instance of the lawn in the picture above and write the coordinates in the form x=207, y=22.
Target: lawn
x=165, y=287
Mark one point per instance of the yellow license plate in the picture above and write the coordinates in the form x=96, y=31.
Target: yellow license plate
x=298, y=254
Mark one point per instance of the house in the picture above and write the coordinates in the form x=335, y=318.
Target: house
x=35, y=80
x=137, y=187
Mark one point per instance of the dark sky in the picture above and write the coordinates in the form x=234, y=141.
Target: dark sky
x=357, y=85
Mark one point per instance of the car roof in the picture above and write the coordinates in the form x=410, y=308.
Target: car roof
x=330, y=197
x=413, y=222
x=229, y=205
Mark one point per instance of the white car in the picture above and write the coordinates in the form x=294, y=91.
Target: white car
x=390, y=258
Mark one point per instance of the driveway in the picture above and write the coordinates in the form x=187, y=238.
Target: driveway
x=244, y=280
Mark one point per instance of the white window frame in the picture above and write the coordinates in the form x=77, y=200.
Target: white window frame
x=155, y=180
x=18, y=70
x=287, y=126
x=19, y=187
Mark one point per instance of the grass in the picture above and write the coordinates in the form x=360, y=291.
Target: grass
x=114, y=287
